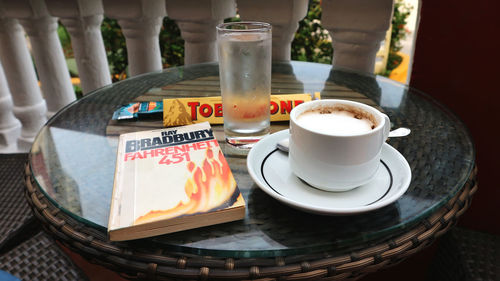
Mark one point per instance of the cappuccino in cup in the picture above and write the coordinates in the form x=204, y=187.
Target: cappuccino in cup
x=339, y=120
x=335, y=145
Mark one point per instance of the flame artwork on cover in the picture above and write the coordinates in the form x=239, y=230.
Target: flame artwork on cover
x=209, y=187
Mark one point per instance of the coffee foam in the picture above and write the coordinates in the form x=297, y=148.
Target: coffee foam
x=337, y=120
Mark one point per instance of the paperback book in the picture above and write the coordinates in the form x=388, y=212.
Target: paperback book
x=170, y=180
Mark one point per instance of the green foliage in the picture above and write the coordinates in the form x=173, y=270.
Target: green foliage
x=399, y=20
x=65, y=41
x=233, y=19
x=401, y=13
x=116, y=49
x=312, y=42
x=393, y=61
x=78, y=91
x=171, y=44
x=171, y=47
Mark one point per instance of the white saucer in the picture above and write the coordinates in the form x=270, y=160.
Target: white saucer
x=270, y=170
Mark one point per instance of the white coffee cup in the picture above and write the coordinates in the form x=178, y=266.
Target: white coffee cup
x=336, y=160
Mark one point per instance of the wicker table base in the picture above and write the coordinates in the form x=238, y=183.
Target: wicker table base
x=137, y=263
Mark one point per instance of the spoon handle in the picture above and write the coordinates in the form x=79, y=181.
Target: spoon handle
x=283, y=145
x=400, y=132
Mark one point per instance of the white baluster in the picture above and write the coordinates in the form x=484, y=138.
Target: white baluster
x=51, y=66
x=283, y=15
x=197, y=20
x=29, y=106
x=141, y=21
x=357, y=27
x=82, y=19
x=10, y=127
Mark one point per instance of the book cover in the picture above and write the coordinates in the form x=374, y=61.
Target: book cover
x=169, y=180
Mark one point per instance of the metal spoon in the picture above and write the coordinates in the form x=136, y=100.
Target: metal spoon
x=400, y=132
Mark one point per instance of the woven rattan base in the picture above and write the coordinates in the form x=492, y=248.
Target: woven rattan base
x=136, y=263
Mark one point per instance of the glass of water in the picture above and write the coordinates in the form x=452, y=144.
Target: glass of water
x=245, y=80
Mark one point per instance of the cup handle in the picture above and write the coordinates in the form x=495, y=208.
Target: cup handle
x=387, y=127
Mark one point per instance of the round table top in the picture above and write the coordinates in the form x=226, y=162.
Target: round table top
x=73, y=161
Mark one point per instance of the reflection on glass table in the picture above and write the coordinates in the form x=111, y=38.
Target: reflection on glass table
x=73, y=160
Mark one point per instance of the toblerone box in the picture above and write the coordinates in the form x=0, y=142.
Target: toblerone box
x=184, y=111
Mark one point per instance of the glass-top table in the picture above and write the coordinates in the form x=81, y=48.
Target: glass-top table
x=73, y=160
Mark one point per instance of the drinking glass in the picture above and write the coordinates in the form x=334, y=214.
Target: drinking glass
x=245, y=79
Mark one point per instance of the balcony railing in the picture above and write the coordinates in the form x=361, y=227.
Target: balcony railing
x=356, y=26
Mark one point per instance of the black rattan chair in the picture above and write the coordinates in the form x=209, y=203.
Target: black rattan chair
x=466, y=255
x=25, y=251
x=39, y=258
x=17, y=222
